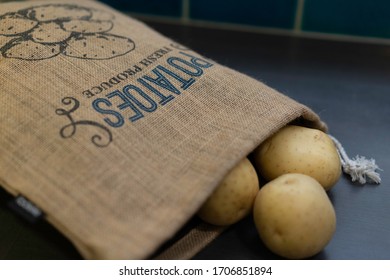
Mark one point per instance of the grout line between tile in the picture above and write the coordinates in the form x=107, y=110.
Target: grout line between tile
x=299, y=16
x=185, y=13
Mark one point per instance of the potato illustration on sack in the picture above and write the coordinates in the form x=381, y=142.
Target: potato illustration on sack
x=60, y=12
x=30, y=50
x=49, y=32
x=42, y=32
x=5, y=40
x=13, y=24
x=98, y=46
x=87, y=26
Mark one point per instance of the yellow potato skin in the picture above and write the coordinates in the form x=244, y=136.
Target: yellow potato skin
x=294, y=216
x=297, y=149
x=233, y=198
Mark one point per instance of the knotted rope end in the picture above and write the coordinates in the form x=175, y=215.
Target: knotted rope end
x=360, y=169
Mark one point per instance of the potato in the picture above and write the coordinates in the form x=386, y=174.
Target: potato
x=294, y=216
x=297, y=149
x=233, y=198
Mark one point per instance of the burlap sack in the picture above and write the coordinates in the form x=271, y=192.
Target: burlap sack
x=118, y=133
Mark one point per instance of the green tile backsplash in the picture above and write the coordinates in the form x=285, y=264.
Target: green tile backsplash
x=351, y=17
x=359, y=18
x=362, y=18
x=269, y=13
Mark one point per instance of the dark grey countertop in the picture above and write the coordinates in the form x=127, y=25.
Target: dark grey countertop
x=346, y=83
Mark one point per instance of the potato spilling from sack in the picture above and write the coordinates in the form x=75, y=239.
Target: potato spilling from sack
x=294, y=216
x=233, y=198
x=292, y=212
x=297, y=149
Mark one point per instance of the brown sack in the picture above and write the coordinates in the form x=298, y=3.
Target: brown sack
x=116, y=132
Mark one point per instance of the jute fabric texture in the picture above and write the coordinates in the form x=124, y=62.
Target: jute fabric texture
x=118, y=133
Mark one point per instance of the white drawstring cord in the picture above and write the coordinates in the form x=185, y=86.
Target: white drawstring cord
x=359, y=168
